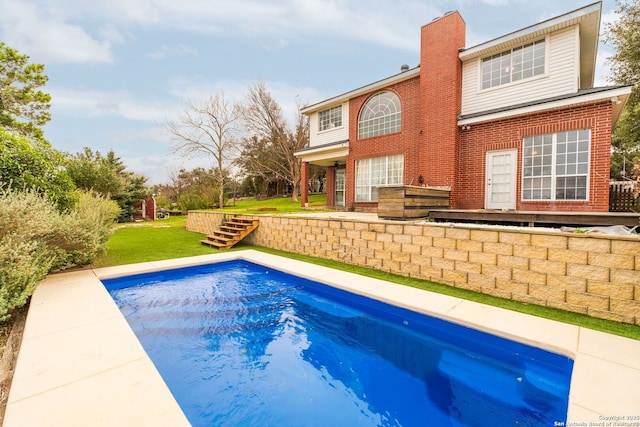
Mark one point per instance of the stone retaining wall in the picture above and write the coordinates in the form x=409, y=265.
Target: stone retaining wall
x=594, y=275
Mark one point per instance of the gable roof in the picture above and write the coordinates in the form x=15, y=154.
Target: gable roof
x=331, y=102
x=588, y=18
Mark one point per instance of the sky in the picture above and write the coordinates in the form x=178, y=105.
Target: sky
x=119, y=70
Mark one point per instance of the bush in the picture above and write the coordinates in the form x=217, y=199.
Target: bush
x=24, y=264
x=35, y=238
x=193, y=201
x=25, y=224
x=78, y=237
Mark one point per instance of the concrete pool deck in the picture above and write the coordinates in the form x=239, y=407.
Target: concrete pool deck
x=81, y=364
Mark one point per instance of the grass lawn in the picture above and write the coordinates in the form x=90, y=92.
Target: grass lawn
x=165, y=239
x=250, y=205
x=151, y=241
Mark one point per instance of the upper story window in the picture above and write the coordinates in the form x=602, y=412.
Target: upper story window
x=380, y=115
x=329, y=119
x=513, y=65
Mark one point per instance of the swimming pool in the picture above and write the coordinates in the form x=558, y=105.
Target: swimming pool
x=242, y=344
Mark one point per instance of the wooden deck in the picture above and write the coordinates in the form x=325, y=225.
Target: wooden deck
x=531, y=219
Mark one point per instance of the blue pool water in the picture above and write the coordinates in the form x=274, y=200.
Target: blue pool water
x=240, y=344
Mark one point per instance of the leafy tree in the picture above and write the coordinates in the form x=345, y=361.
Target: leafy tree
x=265, y=121
x=91, y=171
x=624, y=35
x=210, y=128
x=262, y=162
x=134, y=192
x=26, y=164
x=107, y=176
x=24, y=108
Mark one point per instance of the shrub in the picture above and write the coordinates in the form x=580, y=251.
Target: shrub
x=24, y=264
x=25, y=224
x=35, y=238
x=193, y=201
x=78, y=237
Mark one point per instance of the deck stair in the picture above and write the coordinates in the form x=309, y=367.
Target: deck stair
x=231, y=232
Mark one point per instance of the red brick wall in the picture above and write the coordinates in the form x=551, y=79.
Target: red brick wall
x=508, y=133
x=440, y=102
x=430, y=106
x=405, y=141
x=434, y=146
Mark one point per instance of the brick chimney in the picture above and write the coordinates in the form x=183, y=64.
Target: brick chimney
x=440, y=100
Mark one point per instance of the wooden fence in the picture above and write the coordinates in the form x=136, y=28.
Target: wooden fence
x=622, y=198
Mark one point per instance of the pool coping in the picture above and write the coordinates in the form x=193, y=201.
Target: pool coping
x=80, y=361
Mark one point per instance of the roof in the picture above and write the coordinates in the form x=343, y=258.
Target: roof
x=396, y=78
x=617, y=94
x=588, y=18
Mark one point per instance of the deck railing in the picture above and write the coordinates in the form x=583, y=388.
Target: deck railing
x=622, y=197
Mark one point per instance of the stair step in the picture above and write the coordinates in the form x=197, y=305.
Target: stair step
x=230, y=233
x=231, y=229
x=222, y=239
x=240, y=223
x=213, y=243
x=225, y=233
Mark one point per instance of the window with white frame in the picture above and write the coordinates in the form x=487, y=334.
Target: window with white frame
x=329, y=119
x=556, y=166
x=514, y=64
x=374, y=172
x=380, y=115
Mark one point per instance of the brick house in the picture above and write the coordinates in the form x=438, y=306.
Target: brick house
x=513, y=123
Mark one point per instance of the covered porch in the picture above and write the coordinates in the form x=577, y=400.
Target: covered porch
x=333, y=157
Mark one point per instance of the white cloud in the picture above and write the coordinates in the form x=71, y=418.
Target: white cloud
x=45, y=35
x=187, y=89
x=174, y=50
x=96, y=103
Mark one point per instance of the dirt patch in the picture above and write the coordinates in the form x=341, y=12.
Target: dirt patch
x=10, y=340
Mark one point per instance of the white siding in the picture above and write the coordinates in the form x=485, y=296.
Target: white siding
x=317, y=138
x=562, y=66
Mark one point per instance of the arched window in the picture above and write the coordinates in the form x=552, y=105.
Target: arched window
x=380, y=115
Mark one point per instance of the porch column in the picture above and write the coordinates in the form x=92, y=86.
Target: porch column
x=304, y=184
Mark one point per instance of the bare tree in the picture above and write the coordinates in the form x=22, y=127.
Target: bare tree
x=208, y=127
x=265, y=122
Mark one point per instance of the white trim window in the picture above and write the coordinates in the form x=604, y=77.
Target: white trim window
x=380, y=115
x=513, y=65
x=556, y=166
x=374, y=172
x=330, y=119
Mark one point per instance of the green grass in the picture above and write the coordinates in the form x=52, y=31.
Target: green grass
x=166, y=239
x=151, y=241
x=250, y=205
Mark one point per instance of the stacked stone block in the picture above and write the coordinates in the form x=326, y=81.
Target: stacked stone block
x=595, y=275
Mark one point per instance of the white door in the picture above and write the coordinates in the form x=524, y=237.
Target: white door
x=500, y=188
x=340, y=186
